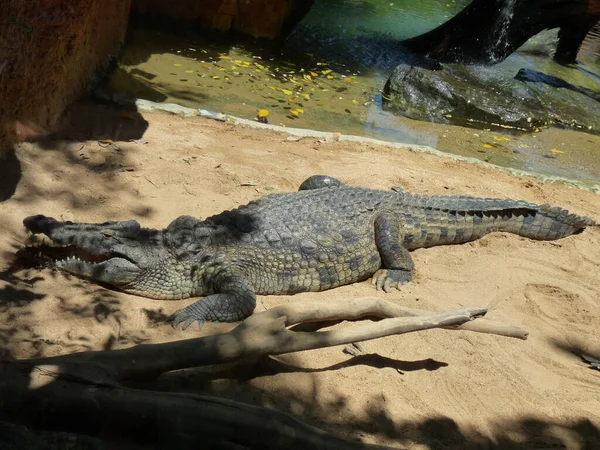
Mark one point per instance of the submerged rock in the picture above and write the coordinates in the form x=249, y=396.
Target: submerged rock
x=478, y=97
x=455, y=95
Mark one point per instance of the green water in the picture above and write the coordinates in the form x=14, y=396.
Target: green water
x=329, y=74
x=399, y=19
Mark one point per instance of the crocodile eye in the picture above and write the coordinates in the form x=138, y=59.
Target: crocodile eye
x=108, y=233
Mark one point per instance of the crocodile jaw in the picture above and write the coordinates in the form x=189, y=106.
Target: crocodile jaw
x=116, y=271
x=120, y=254
x=106, y=268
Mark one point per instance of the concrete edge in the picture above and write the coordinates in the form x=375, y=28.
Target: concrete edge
x=173, y=108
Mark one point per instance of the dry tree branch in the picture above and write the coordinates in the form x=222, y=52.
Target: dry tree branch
x=82, y=392
x=262, y=334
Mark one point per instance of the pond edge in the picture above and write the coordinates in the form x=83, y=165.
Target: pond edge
x=173, y=108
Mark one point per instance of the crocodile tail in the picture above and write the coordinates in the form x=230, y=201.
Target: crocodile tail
x=547, y=222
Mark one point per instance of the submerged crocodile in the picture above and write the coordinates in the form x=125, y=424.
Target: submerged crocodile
x=325, y=235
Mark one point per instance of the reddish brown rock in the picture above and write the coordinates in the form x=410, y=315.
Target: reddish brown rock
x=256, y=18
x=49, y=50
x=214, y=14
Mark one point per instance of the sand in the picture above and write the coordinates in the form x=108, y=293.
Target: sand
x=432, y=389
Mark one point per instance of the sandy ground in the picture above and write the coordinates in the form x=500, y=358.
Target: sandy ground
x=432, y=389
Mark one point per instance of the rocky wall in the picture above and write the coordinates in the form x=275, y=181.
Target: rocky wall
x=49, y=50
x=256, y=18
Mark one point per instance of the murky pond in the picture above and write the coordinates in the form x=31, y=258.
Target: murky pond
x=329, y=76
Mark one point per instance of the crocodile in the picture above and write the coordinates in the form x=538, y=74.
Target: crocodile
x=324, y=235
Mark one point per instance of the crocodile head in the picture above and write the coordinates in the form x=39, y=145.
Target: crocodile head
x=122, y=254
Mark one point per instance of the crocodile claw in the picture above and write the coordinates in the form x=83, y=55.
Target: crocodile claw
x=187, y=317
x=387, y=279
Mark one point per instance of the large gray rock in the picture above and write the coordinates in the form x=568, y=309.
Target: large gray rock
x=463, y=96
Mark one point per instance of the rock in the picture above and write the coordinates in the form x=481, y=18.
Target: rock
x=479, y=97
x=50, y=51
x=458, y=95
x=257, y=18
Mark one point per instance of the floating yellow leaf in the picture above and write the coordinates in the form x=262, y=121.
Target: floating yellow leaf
x=355, y=102
x=224, y=57
x=263, y=112
x=261, y=67
x=287, y=91
x=321, y=64
x=330, y=77
x=314, y=74
x=306, y=96
x=307, y=78
x=449, y=116
x=178, y=65
x=557, y=151
x=222, y=68
x=295, y=112
x=257, y=70
x=488, y=146
x=292, y=100
x=189, y=71
x=326, y=72
x=501, y=139
x=216, y=77
x=238, y=61
x=272, y=87
x=300, y=110
x=347, y=80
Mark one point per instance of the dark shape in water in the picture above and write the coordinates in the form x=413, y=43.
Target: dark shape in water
x=539, y=77
x=488, y=31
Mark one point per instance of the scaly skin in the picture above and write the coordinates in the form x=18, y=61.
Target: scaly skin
x=325, y=235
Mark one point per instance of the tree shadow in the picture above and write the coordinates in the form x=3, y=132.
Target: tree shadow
x=89, y=120
x=10, y=174
x=317, y=407
x=22, y=286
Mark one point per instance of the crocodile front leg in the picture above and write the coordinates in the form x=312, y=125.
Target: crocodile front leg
x=235, y=301
x=397, y=264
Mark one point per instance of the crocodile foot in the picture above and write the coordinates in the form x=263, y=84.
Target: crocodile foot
x=387, y=279
x=188, y=316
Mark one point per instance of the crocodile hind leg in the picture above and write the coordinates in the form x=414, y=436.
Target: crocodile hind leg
x=397, y=264
x=236, y=301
